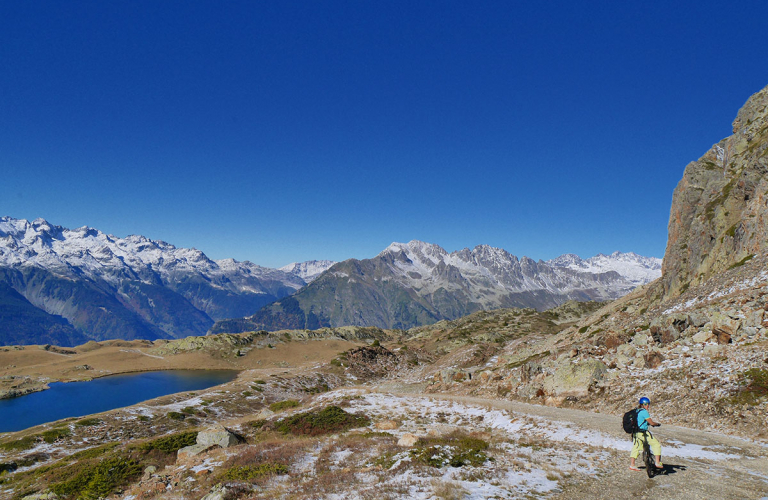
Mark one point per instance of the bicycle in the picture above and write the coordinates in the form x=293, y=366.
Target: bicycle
x=649, y=458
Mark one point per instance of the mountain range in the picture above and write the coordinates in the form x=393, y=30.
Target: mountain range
x=419, y=283
x=66, y=286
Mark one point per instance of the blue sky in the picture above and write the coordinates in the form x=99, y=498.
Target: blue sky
x=287, y=131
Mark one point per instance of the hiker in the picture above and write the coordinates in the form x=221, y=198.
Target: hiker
x=638, y=439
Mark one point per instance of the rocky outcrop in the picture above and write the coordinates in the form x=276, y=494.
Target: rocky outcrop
x=719, y=215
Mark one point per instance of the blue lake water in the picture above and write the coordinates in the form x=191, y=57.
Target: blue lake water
x=76, y=399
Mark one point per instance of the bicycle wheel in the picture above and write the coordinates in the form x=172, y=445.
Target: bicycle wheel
x=650, y=467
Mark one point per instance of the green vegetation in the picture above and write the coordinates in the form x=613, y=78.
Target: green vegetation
x=742, y=261
x=88, y=422
x=174, y=415
x=282, y=405
x=329, y=420
x=755, y=382
x=456, y=450
x=93, y=452
x=20, y=444
x=172, y=443
x=94, y=480
x=54, y=435
x=251, y=472
x=583, y=329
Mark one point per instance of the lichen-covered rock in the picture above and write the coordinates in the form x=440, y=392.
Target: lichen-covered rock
x=46, y=495
x=188, y=452
x=719, y=215
x=575, y=379
x=217, y=435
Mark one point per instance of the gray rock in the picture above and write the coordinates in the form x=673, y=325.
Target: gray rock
x=189, y=452
x=641, y=339
x=697, y=319
x=702, y=336
x=46, y=495
x=218, y=492
x=574, y=379
x=217, y=435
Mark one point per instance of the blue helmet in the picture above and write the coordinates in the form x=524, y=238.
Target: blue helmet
x=644, y=401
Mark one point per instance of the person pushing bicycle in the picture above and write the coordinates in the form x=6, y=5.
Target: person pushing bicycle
x=639, y=438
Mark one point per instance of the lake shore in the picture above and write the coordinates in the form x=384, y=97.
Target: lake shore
x=28, y=369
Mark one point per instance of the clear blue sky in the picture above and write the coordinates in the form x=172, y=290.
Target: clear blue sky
x=287, y=131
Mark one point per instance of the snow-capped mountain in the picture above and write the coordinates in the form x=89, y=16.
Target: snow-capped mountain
x=636, y=268
x=132, y=287
x=416, y=283
x=89, y=252
x=308, y=270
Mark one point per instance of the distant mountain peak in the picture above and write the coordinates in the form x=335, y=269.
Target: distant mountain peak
x=308, y=270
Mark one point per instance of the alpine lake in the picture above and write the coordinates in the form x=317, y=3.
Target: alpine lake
x=77, y=399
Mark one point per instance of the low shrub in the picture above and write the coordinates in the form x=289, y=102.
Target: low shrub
x=20, y=444
x=93, y=452
x=88, y=422
x=94, y=480
x=254, y=472
x=456, y=450
x=54, y=435
x=329, y=420
x=282, y=405
x=172, y=443
x=174, y=415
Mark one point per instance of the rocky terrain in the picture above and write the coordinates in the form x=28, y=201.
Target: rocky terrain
x=420, y=283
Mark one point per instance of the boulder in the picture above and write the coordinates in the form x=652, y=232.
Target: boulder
x=574, y=379
x=387, y=425
x=668, y=335
x=407, y=440
x=653, y=359
x=46, y=495
x=697, y=319
x=265, y=414
x=702, y=336
x=218, y=492
x=640, y=339
x=723, y=337
x=217, y=435
x=187, y=453
x=725, y=323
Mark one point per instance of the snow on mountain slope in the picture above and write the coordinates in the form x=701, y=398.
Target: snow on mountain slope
x=308, y=270
x=487, y=271
x=89, y=252
x=636, y=268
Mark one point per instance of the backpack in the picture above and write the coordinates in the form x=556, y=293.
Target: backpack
x=629, y=422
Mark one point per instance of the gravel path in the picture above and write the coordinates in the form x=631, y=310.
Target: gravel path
x=699, y=464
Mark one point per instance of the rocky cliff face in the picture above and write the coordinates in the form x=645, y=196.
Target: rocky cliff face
x=719, y=215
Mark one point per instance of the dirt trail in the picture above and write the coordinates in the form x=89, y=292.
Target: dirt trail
x=699, y=464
